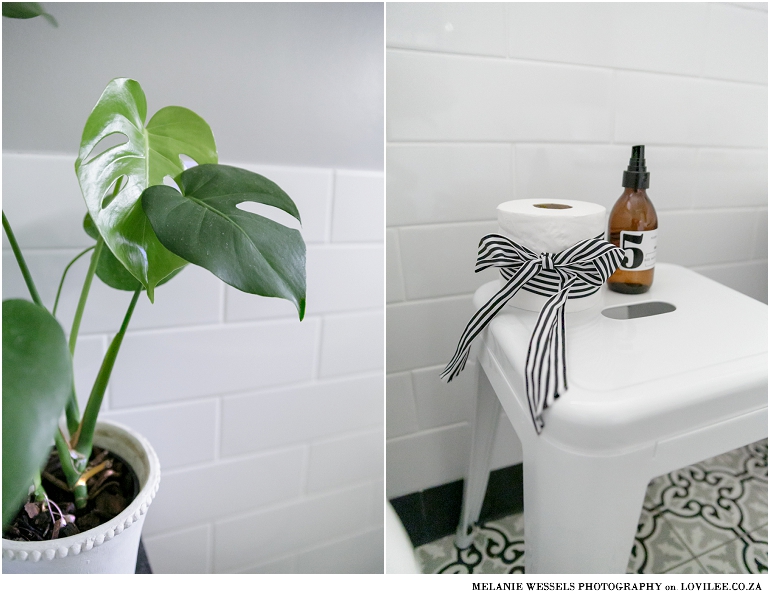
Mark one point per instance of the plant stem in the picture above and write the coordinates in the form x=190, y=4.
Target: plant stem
x=70, y=471
x=84, y=295
x=39, y=491
x=64, y=275
x=65, y=457
x=22, y=264
x=84, y=438
x=72, y=411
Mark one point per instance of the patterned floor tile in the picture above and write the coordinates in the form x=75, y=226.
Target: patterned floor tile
x=756, y=465
x=654, y=491
x=757, y=554
x=657, y=548
x=691, y=567
x=729, y=461
x=715, y=503
x=741, y=556
x=759, y=535
x=698, y=535
x=753, y=504
x=707, y=518
x=498, y=548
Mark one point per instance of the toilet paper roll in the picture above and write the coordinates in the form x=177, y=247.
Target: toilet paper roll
x=550, y=226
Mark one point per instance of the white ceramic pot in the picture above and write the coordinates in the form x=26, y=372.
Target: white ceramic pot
x=109, y=548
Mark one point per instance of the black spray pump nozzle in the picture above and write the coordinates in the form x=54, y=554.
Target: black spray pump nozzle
x=636, y=163
x=636, y=177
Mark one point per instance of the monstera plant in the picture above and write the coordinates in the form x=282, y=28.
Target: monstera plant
x=145, y=232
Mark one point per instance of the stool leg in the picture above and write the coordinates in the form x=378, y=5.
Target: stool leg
x=581, y=512
x=485, y=426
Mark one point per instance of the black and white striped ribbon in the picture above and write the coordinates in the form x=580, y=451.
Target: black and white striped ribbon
x=576, y=272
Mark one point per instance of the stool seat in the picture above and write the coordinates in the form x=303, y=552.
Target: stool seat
x=640, y=380
x=646, y=395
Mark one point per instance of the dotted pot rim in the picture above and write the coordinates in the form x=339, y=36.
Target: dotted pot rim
x=35, y=551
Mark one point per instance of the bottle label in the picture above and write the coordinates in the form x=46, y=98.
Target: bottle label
x=640, y=247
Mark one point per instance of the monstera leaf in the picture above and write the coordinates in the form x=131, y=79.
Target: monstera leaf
x=113, y=181
x=37, y=379
x=26, y=10
x=204, y=225
x=111, y=271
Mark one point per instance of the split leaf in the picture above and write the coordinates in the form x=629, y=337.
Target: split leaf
x=113, y=181
x=203, y=225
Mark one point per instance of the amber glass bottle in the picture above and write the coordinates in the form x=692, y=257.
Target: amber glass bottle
x=633, y=226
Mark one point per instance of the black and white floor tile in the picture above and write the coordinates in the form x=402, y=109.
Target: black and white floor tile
x=708, y=518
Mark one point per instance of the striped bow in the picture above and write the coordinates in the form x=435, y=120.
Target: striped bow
x=573, y=273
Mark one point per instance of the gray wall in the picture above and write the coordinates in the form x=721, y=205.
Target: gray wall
x=278, y=83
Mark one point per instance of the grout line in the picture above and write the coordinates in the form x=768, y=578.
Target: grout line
x=353, y=244
x=514, y=180
x=399, y=273
x=222, y=302
x=343, y=314
x=277, y=450
x=741, y=7
x=225, y=460
x=432, y=299
x=566, y=142
x=558, y=63
x=304, y=472
x=210, y=547
x=728, y=264
x=206, y=326
x=202, y=327
x=432, y=430
x=315, y=374
x=613, y=102
x=305, y=549
x=171, y=532
x=439, y=225
x=67, y=251
x=247, y=393
x=427, y=143
x=295, y=501
x=218, y=429
x=346, y=434
x=244, y=324
x=507, y=7
x=424, y=369
x=397, y=227
x=151, y=408
x=245, y=569
x=359, y=375
x=447, y=53
x=714, y=210
x=331, y=203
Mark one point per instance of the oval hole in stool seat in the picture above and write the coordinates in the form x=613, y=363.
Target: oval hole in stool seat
x=638, y=310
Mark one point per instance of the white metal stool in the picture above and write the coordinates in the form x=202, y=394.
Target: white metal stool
x=647, y=395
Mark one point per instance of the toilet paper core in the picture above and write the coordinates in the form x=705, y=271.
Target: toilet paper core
x=552, y=206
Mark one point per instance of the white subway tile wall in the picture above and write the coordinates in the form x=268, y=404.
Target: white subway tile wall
x=492, y=102
x=269, y=430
